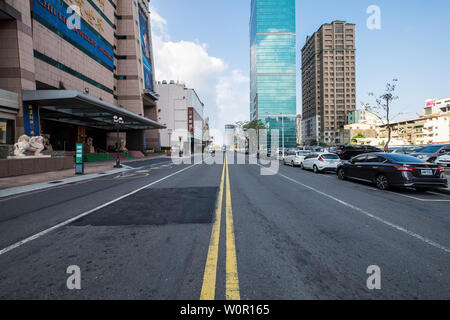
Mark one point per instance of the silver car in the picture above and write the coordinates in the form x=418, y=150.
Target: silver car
x=321, y=162
x=444, y=160
x=295, y=157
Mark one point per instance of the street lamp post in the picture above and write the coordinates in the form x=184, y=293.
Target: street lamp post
x=282, y=133
x=169, y=131
x=118, y=121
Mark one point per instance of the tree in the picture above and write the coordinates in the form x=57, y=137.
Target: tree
x=384, y=105
x=358, y=136
x=255, y=125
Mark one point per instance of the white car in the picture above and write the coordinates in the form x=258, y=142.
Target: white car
x=321, y=162
x=295, y=157
x=443, y=161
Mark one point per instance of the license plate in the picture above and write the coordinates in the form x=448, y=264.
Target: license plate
x=427, y=172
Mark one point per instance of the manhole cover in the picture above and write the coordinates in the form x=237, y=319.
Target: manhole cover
x=157, y=207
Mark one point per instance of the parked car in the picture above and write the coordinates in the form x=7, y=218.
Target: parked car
x=413, y=149
x=398, y=150
x=431, y=152
x=444, y=160
x=388, y=170
x=320, y=162
x=295, y=157
x=348, y=152
x=405, y=149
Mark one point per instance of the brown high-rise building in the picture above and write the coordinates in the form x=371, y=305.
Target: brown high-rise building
x=328, y=82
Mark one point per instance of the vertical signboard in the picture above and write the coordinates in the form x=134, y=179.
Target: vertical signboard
x=146, y=50
x=79, y=161
x=31, y=120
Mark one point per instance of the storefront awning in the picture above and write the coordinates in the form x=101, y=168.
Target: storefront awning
x=74, y=107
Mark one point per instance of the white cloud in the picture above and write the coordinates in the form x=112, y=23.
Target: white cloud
x=225, y=93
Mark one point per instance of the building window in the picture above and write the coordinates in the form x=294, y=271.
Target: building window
x=6, y=131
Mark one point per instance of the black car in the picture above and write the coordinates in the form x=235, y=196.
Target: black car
x=393, y=170
x=348, y=152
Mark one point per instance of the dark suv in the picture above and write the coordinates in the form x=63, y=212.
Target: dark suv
x=348, y=152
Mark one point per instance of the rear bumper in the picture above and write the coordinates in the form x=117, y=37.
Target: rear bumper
x=408, y=180
x=327, y=168
x=437, y=184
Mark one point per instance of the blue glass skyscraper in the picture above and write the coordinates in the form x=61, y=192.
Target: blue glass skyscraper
x=273, y=95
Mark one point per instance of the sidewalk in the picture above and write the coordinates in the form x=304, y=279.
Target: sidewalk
x=89, y=168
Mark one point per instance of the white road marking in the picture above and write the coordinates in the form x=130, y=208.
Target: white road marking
x=400, y=194
x=392, y=225
x=42, y=233
x=423, y=200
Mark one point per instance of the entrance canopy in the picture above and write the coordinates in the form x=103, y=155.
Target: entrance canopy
x=74, y=107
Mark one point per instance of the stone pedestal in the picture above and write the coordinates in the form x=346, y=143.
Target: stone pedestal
x=29, y=157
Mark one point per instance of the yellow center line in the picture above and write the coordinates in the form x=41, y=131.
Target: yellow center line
x=209, y=277
x=232, y=280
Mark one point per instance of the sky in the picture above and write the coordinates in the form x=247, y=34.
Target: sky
x=205, y=44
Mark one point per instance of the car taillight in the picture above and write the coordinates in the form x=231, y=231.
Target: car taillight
x=320, y=158
x=405, y=168
x=440, y=170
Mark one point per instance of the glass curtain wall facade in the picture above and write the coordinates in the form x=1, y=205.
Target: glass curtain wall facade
x=273, y=67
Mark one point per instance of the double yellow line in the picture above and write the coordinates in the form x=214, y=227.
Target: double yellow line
x=231, y=277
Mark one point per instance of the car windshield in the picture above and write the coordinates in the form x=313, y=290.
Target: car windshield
x=330, y=156
x=431, y=149
x=401, y=158
x=302, y=153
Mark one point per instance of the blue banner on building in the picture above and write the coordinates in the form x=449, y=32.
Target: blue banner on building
x=146, y=51
x=55, y=14
x=31, y=120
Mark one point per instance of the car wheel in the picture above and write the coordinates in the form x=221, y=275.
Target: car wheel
x=315, y=169
x=284, y=161
x=382, y=182
x=341, y=174
x=292, y=164
x=301, y=166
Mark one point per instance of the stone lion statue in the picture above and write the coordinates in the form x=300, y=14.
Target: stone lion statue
x=25, y=143
x=123, y=145
x=47, y=144
x=90, y=145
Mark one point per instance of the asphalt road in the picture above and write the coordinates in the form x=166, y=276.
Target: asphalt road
x=191, y=231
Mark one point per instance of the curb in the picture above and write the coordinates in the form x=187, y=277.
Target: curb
x=49, y=184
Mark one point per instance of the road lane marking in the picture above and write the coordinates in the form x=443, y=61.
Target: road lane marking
x=209, y=277
x=42, y=233
x=232, y=279
x=368, y=214
x=391, y=192
x=421, y=199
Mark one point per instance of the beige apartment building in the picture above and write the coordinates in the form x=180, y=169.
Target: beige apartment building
x=71, y=65
x=432, y=129
x=328, y=82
